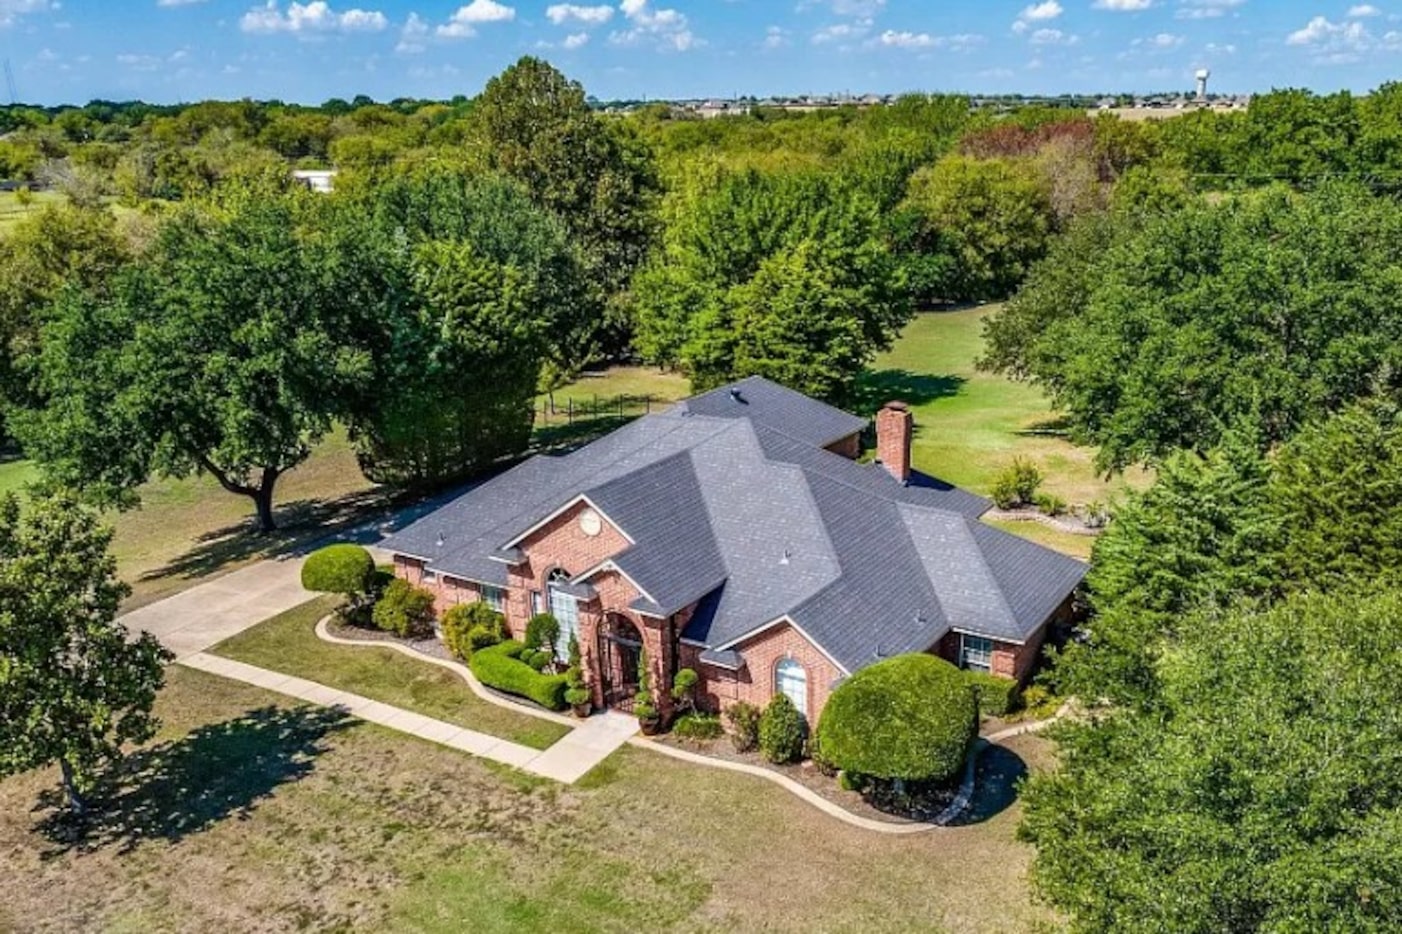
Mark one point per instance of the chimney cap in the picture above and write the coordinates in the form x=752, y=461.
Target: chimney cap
x=896, y=405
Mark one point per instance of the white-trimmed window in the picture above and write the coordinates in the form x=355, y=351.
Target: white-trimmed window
x=494, y=597
x=565, y=609
x=791, y=680
x=975, y=653
x=429, y=576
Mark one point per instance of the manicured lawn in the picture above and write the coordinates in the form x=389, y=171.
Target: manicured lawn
x=969, y=425
x=288, y=643
x=250, y=813
x=1077, y=546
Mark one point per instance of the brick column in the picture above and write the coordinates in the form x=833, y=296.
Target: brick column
x=659, y=664
x=591, y=617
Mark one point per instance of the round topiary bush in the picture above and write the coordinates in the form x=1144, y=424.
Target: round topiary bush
x=345, y=569
x=911, y=718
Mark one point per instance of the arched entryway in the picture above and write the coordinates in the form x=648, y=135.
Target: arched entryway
x=620, y=647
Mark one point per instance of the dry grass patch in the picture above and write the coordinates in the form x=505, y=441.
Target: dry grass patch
x=343, y=826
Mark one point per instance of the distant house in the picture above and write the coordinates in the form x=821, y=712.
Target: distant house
x=736, y=534
x=322, y=181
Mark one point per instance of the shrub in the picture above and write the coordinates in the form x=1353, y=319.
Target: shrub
x=1049, y=504
x=405, y=610
x=996, y=697
x=781, y=731
x=538, y=660
x=1017, y=484
x=468, y=627
x=576, y=691
x=697, y=726
x=911, y=717
x=344, y=569
x=1097, y=515
x=744, y=725
x=851, y=781
x=500, y=666
x=683, y=683
x=542, y=631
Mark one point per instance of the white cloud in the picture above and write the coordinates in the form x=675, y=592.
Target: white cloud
x=575, y=40
x=1122, y=6
x=1042, y=11
x=1343, y=42
x=776, y=37
x=11, y=10
x=1052, y=37
x=1363, y=10
x=1164, y=40
x=1205, y=9
x=314, y=17
x=839, y=32
x=667, y=28
x=139, y=62
x=413, y=36
x=463, y=24
x=562, y=13
x=923, y=40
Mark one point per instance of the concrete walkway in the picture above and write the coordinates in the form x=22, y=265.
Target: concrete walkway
x=566, y=761
x=195, y=619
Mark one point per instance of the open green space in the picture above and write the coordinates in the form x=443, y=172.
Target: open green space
x=288, y=643
x=12, y=211
x=307, y=819
x=970, y=425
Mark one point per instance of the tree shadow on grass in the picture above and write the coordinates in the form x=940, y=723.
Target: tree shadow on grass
x=302, y=525
x=178, y=788
x=999, y=772
x=876, y=388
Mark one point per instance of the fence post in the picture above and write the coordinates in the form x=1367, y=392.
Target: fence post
x=647, y=404
x=571, y=407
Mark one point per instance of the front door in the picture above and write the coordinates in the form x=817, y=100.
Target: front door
x=620, y=649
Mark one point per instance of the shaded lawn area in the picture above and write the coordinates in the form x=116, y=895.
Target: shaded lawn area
x=288, y=643
x=298, y=823
x=970, y=425
x=1077, y=546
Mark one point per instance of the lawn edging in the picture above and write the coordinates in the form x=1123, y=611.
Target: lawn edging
x=323, y=632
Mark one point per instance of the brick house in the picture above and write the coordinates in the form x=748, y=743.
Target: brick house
x=737, y=534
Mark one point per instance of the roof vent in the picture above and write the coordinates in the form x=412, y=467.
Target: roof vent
x=440, y=539
x=785, y=558
x=736, y=395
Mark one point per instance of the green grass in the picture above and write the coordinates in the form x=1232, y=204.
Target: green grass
x=249, y=811
x=1077, y=546
x=970, y=425
x=12, y=212
x=288, y=643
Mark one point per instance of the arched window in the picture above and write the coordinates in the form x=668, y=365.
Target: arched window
x=791, y=680
x=564, y=608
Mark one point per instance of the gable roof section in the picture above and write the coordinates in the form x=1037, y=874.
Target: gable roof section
x=777, y=408
x=753, y=525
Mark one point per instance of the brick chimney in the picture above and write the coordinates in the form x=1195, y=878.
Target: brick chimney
x=894, y=426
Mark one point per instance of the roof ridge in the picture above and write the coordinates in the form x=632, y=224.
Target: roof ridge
x=964, y=525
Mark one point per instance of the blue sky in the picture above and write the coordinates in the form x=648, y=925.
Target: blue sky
x=172, y=50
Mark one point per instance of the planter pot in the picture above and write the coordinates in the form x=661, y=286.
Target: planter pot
x=650, y=727
x=581, y=710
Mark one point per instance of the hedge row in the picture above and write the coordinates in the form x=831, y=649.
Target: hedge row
x=500, y=666
x=997, y=697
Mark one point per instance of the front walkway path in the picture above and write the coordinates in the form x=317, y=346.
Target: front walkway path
x=195, y=619
x=588, y=744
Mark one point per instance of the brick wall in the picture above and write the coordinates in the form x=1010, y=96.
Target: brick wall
x=754, y=683
x=849, y=447
x=447, y=591
x=895, y=427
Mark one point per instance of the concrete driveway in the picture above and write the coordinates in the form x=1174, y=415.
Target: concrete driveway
x=195, y=619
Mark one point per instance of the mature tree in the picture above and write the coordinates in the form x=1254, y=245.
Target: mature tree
x=1277, y=303
x=73, y=686
x=1238, y=525
x=223, y=352
x=995, y=213
x=1263, y=794
x=784, y=275
x=535, y=126
x=464, y=366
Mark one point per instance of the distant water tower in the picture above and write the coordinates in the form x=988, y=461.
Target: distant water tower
x=1202, y=76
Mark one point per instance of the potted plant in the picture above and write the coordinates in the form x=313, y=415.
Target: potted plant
x=576, y=693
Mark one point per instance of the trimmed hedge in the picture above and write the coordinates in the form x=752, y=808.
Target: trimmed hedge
x=997, y=697
x=500, y=666
x=345, y=569
x=698, y=726
x=911, y=717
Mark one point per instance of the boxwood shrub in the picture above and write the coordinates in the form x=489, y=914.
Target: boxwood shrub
x=781, y=731
x=911, y=717
x=344, y=569
x=997, y=697
x=697, y=726
x=500, y=666
x=405, y=610
x=468, y=627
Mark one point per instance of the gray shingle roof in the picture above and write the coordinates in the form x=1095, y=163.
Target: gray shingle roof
x=757, y=522
x=776, y=407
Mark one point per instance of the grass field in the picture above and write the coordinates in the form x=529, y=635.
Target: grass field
x=969, y=425
x=288, y=643
x=249, y=813
x=12, y=212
